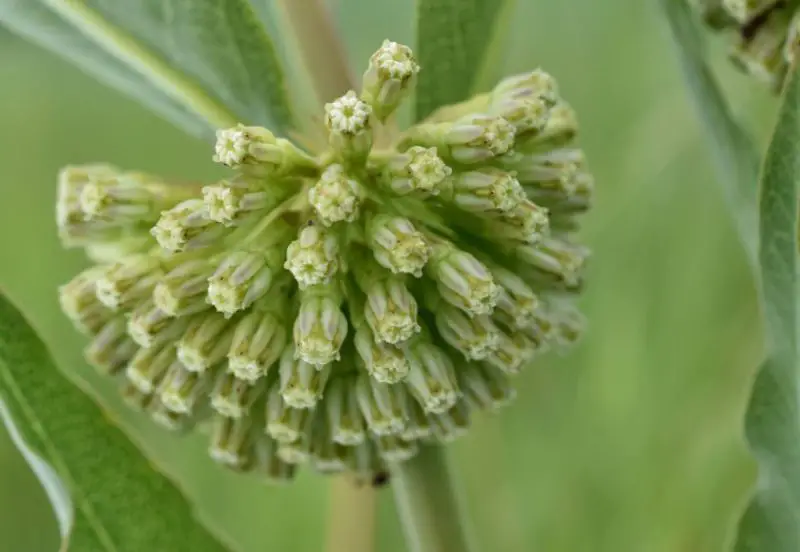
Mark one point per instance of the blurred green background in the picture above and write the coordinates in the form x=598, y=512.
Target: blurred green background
x=629, y=444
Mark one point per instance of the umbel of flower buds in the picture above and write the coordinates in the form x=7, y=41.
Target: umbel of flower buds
x=335, y=308
x=765, y=34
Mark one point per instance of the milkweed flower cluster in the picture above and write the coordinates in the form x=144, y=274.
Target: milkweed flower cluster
x=334, y=309
x=765, y=34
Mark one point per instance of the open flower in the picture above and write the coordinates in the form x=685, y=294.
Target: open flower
x=333, y=308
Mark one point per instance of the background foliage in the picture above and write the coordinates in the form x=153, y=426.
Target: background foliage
x=631, y=443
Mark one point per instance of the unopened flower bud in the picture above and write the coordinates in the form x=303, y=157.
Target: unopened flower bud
x=453, y=424
x=389, y=309
x=301, y=383
x=243, y=277
x=389, y=78
x=181, y=389
x=511, y=353
x=761, y=51
x=485, y=190
x=555, y=257
x=313, y=258
x=336, y=196
x=183, y=290
x=385, y=363
x=327, y=456
x=475, y=337
x=560, y=129
x=320, y=327
x=516, y=301
x=230, y=202
x=397, y=245
x=187, y=226
x=432, y=379
x=285, y=424
x=745, y=11
x=462, y=280
x=148, y=325
x=526, y=223
x=111, y=348
x=79, y=301
x=149, y=366
x=349, y=124
x=470, y=139
x=418, y=170
x=233, y=397
x=268, y=462
x=205, y=342
x=128, y=282
x=231, y=439
x=255, y=150
x=527, y=114
x=258, y=340
x=484, y=386
x=395, y=449
x=535, y=84
x=384, y=406
x=343, y=417
x=418, y=425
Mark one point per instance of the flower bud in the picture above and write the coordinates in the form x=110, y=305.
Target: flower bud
x=745, y=11
x=320, y=327
x=555, y=257
x=233, y=397
x=258, y=340
x=268, y=462
x=486, y=190
x=418, y=425
x=364, y=460
x=485, y=387
x=349, y=124
x=511, y=353
x=285, y=424
x=231, y=202
x=384, y=406
x=149, y=366
x=516, y=301
x=183, y=290
x=148, y=325
x=128, y=282
x=243, y=277
x=431, y=379
x=187, y=226
x=73, y=227
x=301, y=383
x=462, y=280
x=256, y=151
x=527, y=223
x=451, y=425
x=389, y=78
x=418, y=170
x=335, y=197
x=560, y=130
x=205, y=342
x=761, y=52
x=385, y=363
x=313, y=258
x=569, y=325
x=79, y=301
x=397, y=245
x=535, y=84
x=470, y=139
x=327, y=456
x=231, y=441
x=475, y=337
x=394, y=449
x=343, y=417
x=111, y=348
x=389, y=309
x=181, y=389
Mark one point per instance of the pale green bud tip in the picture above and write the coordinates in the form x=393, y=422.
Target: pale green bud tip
x=426, y=169
x=313, y=258
x=229, y=202
x=183, y=290
x=485, y=387
x=477, y=138
x=285, y=424
x=535, y=84
x=745, y=10
x=320, y=328
x=558, y=258
x=256, y=345
x=111, y=348
x=453, y=424
x=301, y=383
x=432, y=378
x=79, y=301
x=242, y=278
x=335, y=197
x=474, y=336
x=149, y=366
x=348, y=115
x=345, y=421
x=128, y=282
x=391, y=311
x=181, y=389
x=516, y=301
x=397, y=245
x=233, y=397
x=148, y=325
x=230, y=442
x=395, y=449
x=244, y=145
x=384, y=406
x=389, y=77
x=394, y=61
x=487, y=190
x=463, y=280
x=186, y=226
x=205, y=342
x=386, y=363
x=511, y=353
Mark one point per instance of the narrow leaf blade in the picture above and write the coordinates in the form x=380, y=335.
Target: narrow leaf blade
x=454, y=38
x=120, y=504
x=773, y=429
x=735, y=155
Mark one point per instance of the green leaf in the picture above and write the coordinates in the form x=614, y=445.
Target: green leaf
x=735, y=156
x=212, y=57
x=116, y=502
x=772, y=520
x=454, y=40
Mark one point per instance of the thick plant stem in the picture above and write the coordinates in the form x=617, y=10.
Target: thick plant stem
x=428, y=504
x=351, y=517
x=320, y=45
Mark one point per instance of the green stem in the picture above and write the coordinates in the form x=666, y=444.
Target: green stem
x=428, y=503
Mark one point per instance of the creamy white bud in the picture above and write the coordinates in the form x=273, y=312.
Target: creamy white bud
x=384, y=406
x=313, y=258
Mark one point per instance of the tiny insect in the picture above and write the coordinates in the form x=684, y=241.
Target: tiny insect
x=380, y=479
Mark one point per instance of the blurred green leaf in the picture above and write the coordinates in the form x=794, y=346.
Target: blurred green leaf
x=772, y=519
x=39, y=24
x=734, y=153
x=454, y=40
x=118, y=502
x=214, y=57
